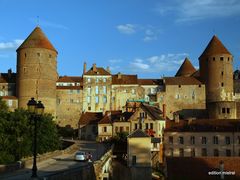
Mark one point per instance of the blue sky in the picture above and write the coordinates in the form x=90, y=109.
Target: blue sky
x=145, y=37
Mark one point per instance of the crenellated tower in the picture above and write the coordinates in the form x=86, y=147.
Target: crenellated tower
x=216, y=71
x=37, y=71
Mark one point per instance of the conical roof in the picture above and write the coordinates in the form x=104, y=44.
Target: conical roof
x=186, y=68
x=214, y=47
x=37, y=39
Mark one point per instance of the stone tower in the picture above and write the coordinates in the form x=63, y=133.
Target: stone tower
x=216, y=71
x=37, y=71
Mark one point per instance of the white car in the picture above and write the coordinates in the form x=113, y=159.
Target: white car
x=80, y=156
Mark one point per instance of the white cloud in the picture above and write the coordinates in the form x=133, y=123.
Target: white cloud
x=138, y=65
x=191, y=10
x=12, y=45
x=158, y=64
x=45, y=23
x=149, y=38
x=126, y=28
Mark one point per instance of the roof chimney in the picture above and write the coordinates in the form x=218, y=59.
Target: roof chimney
x=164, y=111
x=119, y=75
x=176, y=117
x=9, y=73
x=108, y=69
x=84, y=67
x=94, y=67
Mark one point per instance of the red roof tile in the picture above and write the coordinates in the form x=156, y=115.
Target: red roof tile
x=186, y=69
x=90, y=118
x=70, y=79
x=181, y=80
x=148, y=81
x=99, y=71
x=124, y=79
x=37, y=39
x=214, y=47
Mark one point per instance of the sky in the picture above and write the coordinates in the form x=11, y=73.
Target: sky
x=150, y=38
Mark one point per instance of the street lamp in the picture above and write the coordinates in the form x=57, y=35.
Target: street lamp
x=36, y=109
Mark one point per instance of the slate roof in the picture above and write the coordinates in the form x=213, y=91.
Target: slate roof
x=99, y=71
x=124, y=79
x=186, y=69
x=181, y=80
x=204, y=125
x=37, y=39
x=189, y=168
x=70, y=79
x=154, y=112
x=90, y=118
x=138, y=133
x=214, y=47
x=116, y=116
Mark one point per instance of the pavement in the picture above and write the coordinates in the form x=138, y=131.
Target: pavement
x=59, y=163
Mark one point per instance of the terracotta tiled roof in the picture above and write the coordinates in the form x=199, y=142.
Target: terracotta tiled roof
x=154, y=112
x=8, y=97
x=115, y=116
x=37, y=39
x=8, y=78
x=198, y=167
x=204, y=125
x=214, y=47
x=124, y=79
x=149, y=81
x=138, y=133
x=181, y=81
x=196, y=73
x=186, y=68
x=69, y=79
x=90, y=118
x=99, y=71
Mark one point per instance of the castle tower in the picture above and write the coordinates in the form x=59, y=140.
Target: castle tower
x=37, y=71
x=216, y=71
x=186, y=69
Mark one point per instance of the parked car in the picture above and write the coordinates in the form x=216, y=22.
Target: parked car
x=80, y=156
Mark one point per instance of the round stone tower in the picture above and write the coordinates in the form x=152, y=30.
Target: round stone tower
x=37, y=71
x=216, y=71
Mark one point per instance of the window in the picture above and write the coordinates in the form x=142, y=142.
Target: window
x=204, y=152
x=204, y=140
x=170, y=140
x=135, y=125
x=25, y=70
x=155, y=145
x=181, y=152
x=179, y=86
x=192, y=152
x=228, y=152
x=25, y=55
x=105, y=129
x=97, y=80
x=193, y=95
x=227, y=140
x=70, y=91
x=228, y=110
x=104, y=99
x=181, y=140
x=223, y=110
x=88, y=80
x=104, y=80
x=151, y=125
x=88, y=99
x=104, y=90
x=38, y=54
x=222, y=73
x=127, y=129
x=146, y=125
x=213, y=58
x=89, y=108
x=50, y=56
x=215, y=152
x=177, y=96
x=221, y=58
x=140, y=125
x=96, y=90
x=58, y=101
x=71, y=100
x=222, y=84
x=199, y=85
x=116, y=129
x=96, y=99
x=134, y=160
x=215, y=140
x=78, y=91
x=192, y=139
x=10, y=103
x=89, y=90
x=133, y=91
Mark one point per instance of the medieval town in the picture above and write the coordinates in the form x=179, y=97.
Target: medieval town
x=173, y=125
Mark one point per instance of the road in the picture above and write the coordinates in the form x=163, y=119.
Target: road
x=60, y=163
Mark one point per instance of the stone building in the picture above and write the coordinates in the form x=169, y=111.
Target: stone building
x=202, y=137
